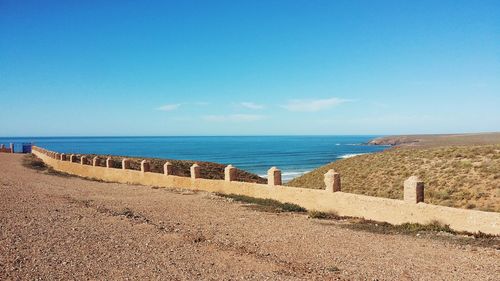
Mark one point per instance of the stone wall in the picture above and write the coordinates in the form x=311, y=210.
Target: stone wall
x=331, y=199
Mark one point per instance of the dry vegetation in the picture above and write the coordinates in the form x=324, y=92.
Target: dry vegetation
x=209, y=170
x=439, y=140
x=267, y=205
x=455, y=176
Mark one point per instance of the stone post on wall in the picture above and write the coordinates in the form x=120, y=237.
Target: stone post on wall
x=58, y=156
x=332, y=181
x=72, y=158
x=62, y=157
x=195, y=171
x=413, y=190
x=145, y=166
x=229, y=173
x=108, y=162
x=83, y=160
x=168, y=169
x=125, y=164
x=11, y=148
x=95, y=161
x=274, y=176
x=2, y=146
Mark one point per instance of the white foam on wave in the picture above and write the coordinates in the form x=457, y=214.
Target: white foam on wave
x=349, y=155
x=294, y=173
x=287, y=176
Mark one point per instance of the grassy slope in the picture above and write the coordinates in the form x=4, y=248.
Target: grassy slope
x=455, y=176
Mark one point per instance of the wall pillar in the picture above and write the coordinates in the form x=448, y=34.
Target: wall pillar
x=332, y=181
x=2, y=146
x=274, y=176
x=11, y=148
x=145, y=166
x=108, y=162
x=413, y=190
x=230, y=173
x=195, y=171
x=125, y=164
x=95, y=161
x=62, y=157
x=83, y=160
x=72, y=158
x=168, y=169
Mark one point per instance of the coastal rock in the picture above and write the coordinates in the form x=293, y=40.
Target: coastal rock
x=393, y=141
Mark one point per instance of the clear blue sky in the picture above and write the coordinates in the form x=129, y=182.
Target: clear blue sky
x=248, y=67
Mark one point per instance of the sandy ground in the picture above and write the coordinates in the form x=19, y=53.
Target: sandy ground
x=54, y=227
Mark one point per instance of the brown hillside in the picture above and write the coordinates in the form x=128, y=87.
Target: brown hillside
x=439, y=140
x=455, y=176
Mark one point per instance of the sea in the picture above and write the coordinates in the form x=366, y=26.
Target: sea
x=294, y=155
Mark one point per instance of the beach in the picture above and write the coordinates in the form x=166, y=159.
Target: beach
x=59, y=227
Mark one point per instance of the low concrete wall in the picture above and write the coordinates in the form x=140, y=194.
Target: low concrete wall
x=343, y=204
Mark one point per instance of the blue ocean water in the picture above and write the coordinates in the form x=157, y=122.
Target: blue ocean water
x=294, y=155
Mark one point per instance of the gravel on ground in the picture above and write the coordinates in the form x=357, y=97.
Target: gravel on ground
x=58, y=228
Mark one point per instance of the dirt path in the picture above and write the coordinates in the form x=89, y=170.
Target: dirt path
x=54, y=227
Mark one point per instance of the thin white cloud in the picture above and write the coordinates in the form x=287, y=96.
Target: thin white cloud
x=252, y=105
x=181, y=118
x=380, y=104
x=201, y=103
x=312, y=105
x=169, y=107
x=233, y=118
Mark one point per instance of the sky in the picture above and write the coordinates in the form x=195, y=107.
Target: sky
x=161, y=68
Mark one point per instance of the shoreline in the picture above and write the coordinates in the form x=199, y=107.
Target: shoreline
x=253, y=154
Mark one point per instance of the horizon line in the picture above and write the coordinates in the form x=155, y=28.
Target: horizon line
x=235, y=135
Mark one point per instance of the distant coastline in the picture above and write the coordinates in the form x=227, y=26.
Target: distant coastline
x=438, y=140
